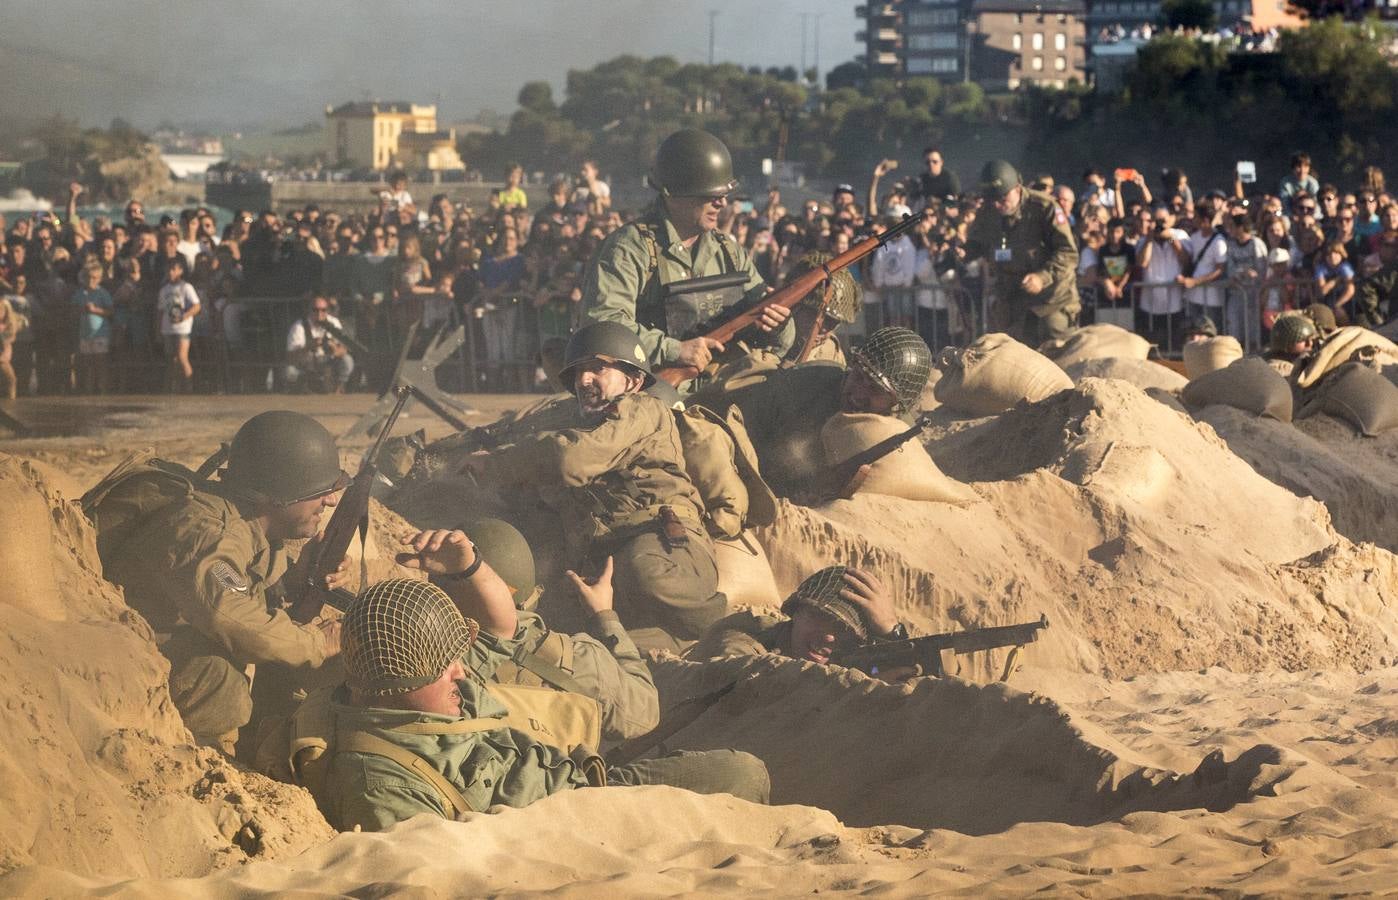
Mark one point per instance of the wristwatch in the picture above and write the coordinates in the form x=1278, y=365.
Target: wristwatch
x=898, y=632
x=469, y=570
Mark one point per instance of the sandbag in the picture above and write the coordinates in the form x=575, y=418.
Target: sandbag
x=1210, y=355
x=744, y=574
x=1100, y=341
x=907, y=472
x=993, y=374
x=1358, y=395
x=1249, y=384
x=1346, y=344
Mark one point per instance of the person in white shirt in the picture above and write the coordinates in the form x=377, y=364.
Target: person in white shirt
x=315, y=359
x=1208, y=250
x=178, y=304
x=591, y=190
x=892, y=272
x=1161, y=257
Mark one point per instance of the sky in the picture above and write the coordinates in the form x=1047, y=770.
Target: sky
x=264, y=64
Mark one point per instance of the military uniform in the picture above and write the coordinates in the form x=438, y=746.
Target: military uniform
x=609, y=478
x=625, y=282
x=746, y=633
x=1036, y=239
x=203, y=573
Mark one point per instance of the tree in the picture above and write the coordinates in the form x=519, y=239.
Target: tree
x=1198, y=14
x=850, y=74
x=537, y=97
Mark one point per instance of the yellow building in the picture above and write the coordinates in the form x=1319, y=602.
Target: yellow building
x=376, y=135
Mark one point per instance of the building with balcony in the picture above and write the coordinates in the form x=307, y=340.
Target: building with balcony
x=1016, y=42
x=376, y=135
x=1260, y=14
x=918, y=38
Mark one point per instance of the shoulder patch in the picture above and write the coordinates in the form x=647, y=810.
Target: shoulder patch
x=228, y=577
x=1060, y=216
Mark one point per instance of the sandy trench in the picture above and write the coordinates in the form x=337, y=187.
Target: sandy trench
x=1213, y=711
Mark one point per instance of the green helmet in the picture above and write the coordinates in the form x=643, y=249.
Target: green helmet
x=401, y=635
x=898, y=361
x=998, y=178
x=609, y=341
x=1200, y=325
x=283, y=457
x=821, y=591
x=692, y=163
x=506, y=551
x=1291, y=329
x=844, y=300
x=1323, y=317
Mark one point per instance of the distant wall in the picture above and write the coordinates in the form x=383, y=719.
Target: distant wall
x=345, y=196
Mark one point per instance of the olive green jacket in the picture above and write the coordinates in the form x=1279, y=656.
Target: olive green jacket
x=497, y=766
x=604, y=664
x=1039, y=241
x=625, y=280
x=201, y=562
x=745, y=633
x=607, y=476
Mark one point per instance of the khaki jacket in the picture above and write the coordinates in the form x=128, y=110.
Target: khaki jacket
x=1039, y=241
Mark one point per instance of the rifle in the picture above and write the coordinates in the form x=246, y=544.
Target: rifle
x=351, y=515
x=791, y=294
x=339, y=334
x=836, y=480
x=925, y=653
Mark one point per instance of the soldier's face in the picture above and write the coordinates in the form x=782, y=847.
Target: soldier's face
x=815, y=635
x=442, y=697
x=1008, y=204
x=859, y=393
x=599, y=384
x=302, y=519
x=695, y=213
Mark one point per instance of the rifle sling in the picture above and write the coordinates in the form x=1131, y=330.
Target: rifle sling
x=552, y=675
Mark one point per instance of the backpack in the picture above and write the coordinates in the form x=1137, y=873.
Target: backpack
x=132, y=493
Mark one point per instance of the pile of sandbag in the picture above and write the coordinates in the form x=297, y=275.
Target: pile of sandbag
x=993, y=374
x=1357, y=394
x=907, y=472
x=1210, y=355
x=1100, y=341
x=1249, y=384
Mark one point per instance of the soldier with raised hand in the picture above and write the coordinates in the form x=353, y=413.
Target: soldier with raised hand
x=616, y=476
x=203, y=561
x=415, y=729
x=630, y=280
x=1025, y=238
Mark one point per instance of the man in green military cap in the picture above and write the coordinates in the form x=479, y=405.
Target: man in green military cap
x=1027, y=241
x=412, y=731
x=203, y=561
x=639, y=274
x=615, y=474
x=838, y=607
x=1293, y=338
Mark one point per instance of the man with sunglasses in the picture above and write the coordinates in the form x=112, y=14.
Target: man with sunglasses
x=204, y=561
x=632, y=279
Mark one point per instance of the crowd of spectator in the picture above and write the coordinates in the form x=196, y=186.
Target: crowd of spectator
x=1240, y=37
x=324, y=301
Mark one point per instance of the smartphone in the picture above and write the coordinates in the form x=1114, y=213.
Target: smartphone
x=1247, y=171
x=1125, y=175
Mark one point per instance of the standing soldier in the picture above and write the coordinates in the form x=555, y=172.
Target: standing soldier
x=203, y=561
x=1027, y=240
x=642, y=275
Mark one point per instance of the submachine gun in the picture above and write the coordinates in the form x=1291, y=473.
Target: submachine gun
x=924, y=654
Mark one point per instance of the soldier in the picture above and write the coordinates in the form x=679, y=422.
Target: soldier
x=203, y=561
x=836, y=608
x=638, y=275
x=1199, y=328
x=616, y=475
x=603, y=663
x=1026, y=238
x=411, y=732
x=1293, y=337
x=839, y=306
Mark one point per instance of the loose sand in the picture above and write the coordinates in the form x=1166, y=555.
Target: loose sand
x=1213, y=709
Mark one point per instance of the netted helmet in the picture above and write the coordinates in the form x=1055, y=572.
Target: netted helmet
x=843, y=300
x=284, y=457
x=506, y=551
x=898, y=361
x=821, y=591
x=1200, y=325
x=609, y=341
x=401, y=635
x=1291, y=329
x=1323, y=317
x=692, y=163
x=998, y=178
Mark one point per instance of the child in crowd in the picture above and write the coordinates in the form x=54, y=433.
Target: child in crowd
x=179, y=304
x=95, y=309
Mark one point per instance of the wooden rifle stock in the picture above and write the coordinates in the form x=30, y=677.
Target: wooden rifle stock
x=351, y=515
x=789, y=295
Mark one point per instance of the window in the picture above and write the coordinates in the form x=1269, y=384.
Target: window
x=1060, y=42
x=1037, y=42
x=1038, y=64
x=919, y=65
x=1016, y=42
x=1062, y=18
x=944, y=40
x=946, y=64
x=1060, y=65
x=924, y=18
x=1019, y=18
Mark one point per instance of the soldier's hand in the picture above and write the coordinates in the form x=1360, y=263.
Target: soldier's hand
x=699, y=352
x=340, y=578
x=864, y=591
x=595, y=594
x=438, y=551
x=773, y=317
x=1033, y=283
